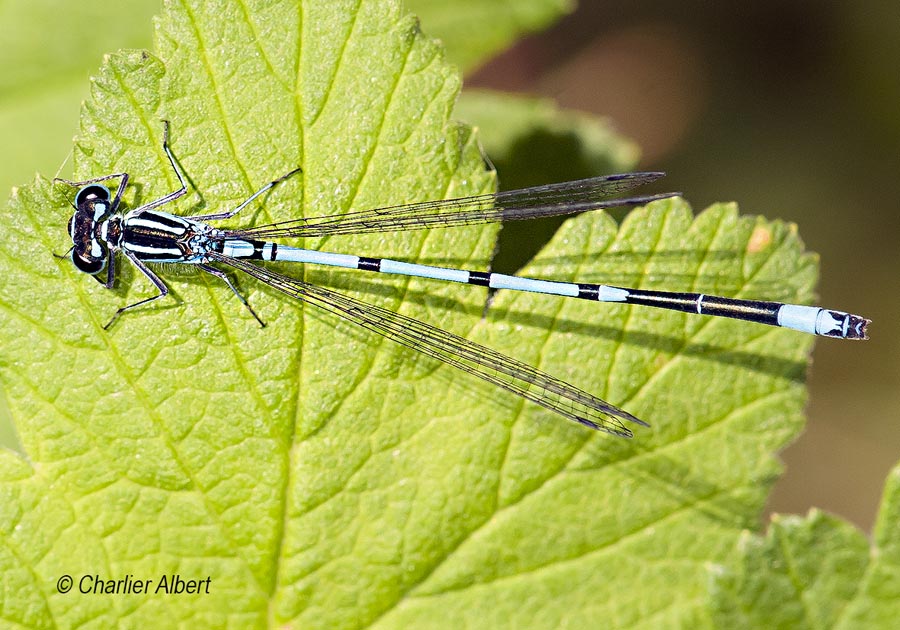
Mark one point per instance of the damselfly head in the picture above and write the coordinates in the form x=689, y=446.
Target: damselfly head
x=89, y=253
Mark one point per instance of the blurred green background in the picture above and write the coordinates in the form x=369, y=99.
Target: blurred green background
x=789, y=108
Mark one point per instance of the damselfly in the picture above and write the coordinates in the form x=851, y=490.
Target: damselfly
x=146, y=236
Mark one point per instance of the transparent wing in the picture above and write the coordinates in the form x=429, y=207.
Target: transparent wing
x=489, y=365
x=527, y=203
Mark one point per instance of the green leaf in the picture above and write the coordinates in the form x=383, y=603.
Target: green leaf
x=814, y=572
x=587, y=530
x=877, y=602
x=473, y=31
x=320, y=477
x=800, y=576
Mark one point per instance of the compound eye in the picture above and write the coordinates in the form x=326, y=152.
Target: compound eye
x=94, y=192
x=89, y=264
x=95, y=196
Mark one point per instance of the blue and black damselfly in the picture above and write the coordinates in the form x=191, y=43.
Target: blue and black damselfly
x=146, y=235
